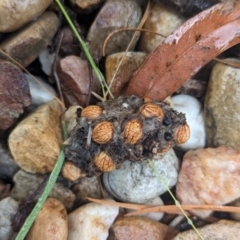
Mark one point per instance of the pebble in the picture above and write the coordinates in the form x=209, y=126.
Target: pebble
x=152, y=215
x=26, y=184
x=8, y=166
x=51, y=222
x=86, y=5
x=70, y=117
x=160, y=20
x=8, y=208
x=130, y=62
x=76, y=81
x=71, y=172
x=209, y=176
x=115, y=14
x=34, y=37
x=221, y=230
x=5, y=190
x=14, y=94
x=139, y=228
x=39, y=94
x=14, y=14
x=70, y=44
x=36, y=141
x=87, y=187
x=91, y=221
x=222, y=109
x=193, y=87
x=46, y=60
x=195, y=119
x=138, y=183
x=235, y=215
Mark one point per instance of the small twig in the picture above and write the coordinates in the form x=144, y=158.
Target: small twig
x=173, y=209
x=55, y=75
x=98, y=97
x=127, y=29
x=53, y=45
x=144, y=18
x=228, y=62
x=26, y=206
x=90, y=85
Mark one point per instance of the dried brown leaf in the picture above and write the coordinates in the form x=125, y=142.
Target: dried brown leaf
x=190, y=47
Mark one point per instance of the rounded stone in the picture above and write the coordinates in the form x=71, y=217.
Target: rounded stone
x=119, y=69
x=193, y=110
x=138, y=182
x=35, y=142
x=51, y=222
x=25, y=45
x=162, y=20
x=8, y=208
x=91, y=221
x=221, y=108
x=114, y=15
x=14, y=14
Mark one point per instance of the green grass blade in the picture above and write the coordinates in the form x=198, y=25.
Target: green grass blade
x=48, y=188
x=85, y=49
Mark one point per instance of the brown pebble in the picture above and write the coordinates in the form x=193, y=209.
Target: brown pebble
x=139, y=228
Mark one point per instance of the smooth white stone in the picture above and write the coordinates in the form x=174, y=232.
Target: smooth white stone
x=195, y=119
x=138, y=183
x=8, y=208
x=39, y=94
x=91, y=221
x=46, y=59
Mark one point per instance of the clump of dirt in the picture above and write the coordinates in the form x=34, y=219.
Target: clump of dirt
x=125, y=128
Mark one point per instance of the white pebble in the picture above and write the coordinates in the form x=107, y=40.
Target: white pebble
x=46, y=59
x=91, y=221
x=195, y=119
x=39, y=94
x=137, y=182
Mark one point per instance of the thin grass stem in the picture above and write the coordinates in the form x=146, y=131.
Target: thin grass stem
x=48, y=188
x=173, y=197
x=86, y=51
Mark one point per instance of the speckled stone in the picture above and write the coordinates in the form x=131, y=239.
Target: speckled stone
x=50, y=223
x=8, y=208
x=26, y=184
x=222, y=108
x=125, y=64
x=14, y=14
x=222, y=230
x=162, y=20
x=115, y=14
x=136, y=228
x=209, y=176
x=138, y=183
x=35, y=142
